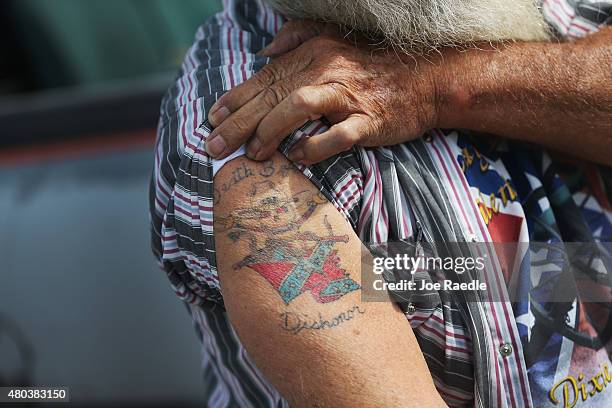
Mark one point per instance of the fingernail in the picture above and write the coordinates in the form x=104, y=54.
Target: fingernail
x=296, y=155
x=253, y=148
x=218, y=115
x=215, y=146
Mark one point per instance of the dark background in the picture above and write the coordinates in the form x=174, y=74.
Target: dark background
x=82, y=301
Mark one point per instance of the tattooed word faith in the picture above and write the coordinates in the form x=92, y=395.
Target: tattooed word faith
x=244, y=171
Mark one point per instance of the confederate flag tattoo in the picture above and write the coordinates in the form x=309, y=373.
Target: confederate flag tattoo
x=292, y=261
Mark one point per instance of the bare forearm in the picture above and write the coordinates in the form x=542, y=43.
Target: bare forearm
x=556, y=95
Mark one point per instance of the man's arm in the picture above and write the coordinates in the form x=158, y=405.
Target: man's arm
x=289, y=268
x=557, y=95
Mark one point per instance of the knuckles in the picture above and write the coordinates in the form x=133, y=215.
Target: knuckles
x=271, y=97
x=351, y=75
x=300, y=99
x=241, y=126
x=266, y=76
x=347, y=135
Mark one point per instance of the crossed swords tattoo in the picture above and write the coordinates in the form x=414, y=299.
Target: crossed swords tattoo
x=293, y=262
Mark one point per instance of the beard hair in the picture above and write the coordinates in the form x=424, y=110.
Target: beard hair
x=417, y=25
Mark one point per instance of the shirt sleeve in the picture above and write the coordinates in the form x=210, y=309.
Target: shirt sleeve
x=572, y=19
x=181, y=191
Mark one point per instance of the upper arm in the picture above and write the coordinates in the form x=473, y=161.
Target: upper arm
x=289, y=269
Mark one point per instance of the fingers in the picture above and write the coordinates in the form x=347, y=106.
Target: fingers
x=292, y=34
x=235, y=98
x=303, y=104
x=339, y=138
x=236, y=115
x=239, y=126
x=283, y=68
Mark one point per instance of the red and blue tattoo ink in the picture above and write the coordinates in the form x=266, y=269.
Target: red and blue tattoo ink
x=292, y=261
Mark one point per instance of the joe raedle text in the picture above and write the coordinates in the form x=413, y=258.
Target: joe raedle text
x=446, y=284
x=410, y=265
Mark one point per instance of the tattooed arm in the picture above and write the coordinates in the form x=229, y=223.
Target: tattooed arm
x=289, y=268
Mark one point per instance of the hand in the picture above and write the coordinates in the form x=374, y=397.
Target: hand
x=371, y=97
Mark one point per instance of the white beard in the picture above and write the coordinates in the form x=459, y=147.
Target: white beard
x=425, y=24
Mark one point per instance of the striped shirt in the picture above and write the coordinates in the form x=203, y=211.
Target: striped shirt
x=386, y=194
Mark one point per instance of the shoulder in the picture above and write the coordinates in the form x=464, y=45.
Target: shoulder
x=223, y=54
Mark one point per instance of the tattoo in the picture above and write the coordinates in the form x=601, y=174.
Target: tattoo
x=291, y=260
x=245, y=170
x=296, y=323
x=268, y=169
x=285, y=169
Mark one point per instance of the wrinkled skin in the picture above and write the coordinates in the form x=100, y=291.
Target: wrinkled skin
x=371, y=96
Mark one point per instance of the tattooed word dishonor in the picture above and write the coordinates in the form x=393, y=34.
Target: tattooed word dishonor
x=295, y=323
